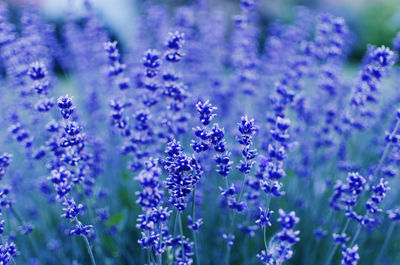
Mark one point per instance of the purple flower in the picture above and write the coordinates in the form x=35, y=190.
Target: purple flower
x=264, y=217
x=5, y=160
x=287, y=220
x=394, y=214
x=350, y=255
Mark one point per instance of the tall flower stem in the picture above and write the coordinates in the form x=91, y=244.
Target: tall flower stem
x=385, y=243
x=265, y=227
x=386, y=150
x=181, y=231
x=89, y=248
x=159, y=245
x=228, y=255
x=359, y=227
x=194, y=232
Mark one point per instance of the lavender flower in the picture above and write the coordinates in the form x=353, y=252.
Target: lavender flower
x=5, y=160
x=183, y=173
x=394, y=215
x=279, y=250
x=377, y=62
x=350, y=255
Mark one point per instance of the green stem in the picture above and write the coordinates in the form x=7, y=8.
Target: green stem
x=385, y=243
x=387, y=149
x=89, y=248
x=181, y=230
x=228, y=255
x=196, y=251
x=159, y=246
x=242, y=188
x=359, y=227
x=175, y=230
x=264, y=227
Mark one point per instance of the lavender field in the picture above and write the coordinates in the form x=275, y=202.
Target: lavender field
x=201, y=132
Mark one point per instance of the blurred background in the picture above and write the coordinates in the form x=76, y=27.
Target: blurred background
x=372, y=21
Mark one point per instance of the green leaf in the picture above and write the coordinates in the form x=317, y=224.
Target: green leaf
x=115, y=219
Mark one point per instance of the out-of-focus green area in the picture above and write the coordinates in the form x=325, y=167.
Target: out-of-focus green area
x=372, y=21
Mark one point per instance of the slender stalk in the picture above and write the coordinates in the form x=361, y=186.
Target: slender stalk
x=196, y=251
x=336, y=245
x=242, y=187
x=160, y=259
x=359, y=227
x=89, y=248
x=264, y=227
x=175, y=231
x=228, y=255
x=159, y=246
x=181, y=230
x=386, y=150
x=385, y=243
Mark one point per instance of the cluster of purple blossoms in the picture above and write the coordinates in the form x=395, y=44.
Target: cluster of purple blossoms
x=116, y=73
x=330, y=37
x=155, y=93
x=279, y=248
x=153, y=220
x=174, y=89
x=244, y=56
x=5, y=160
x=346, y=195
x=39, y=75
x=350, y=255
x=271, y=168
x=8, y=249
x=213, y=137
x=247, y=130
x=378, y=194
x=69, y=164
x=152, y=62
x=183, y=174
x=365, y=91
x=22, y=135
x=116, y=69
x=394, y=214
